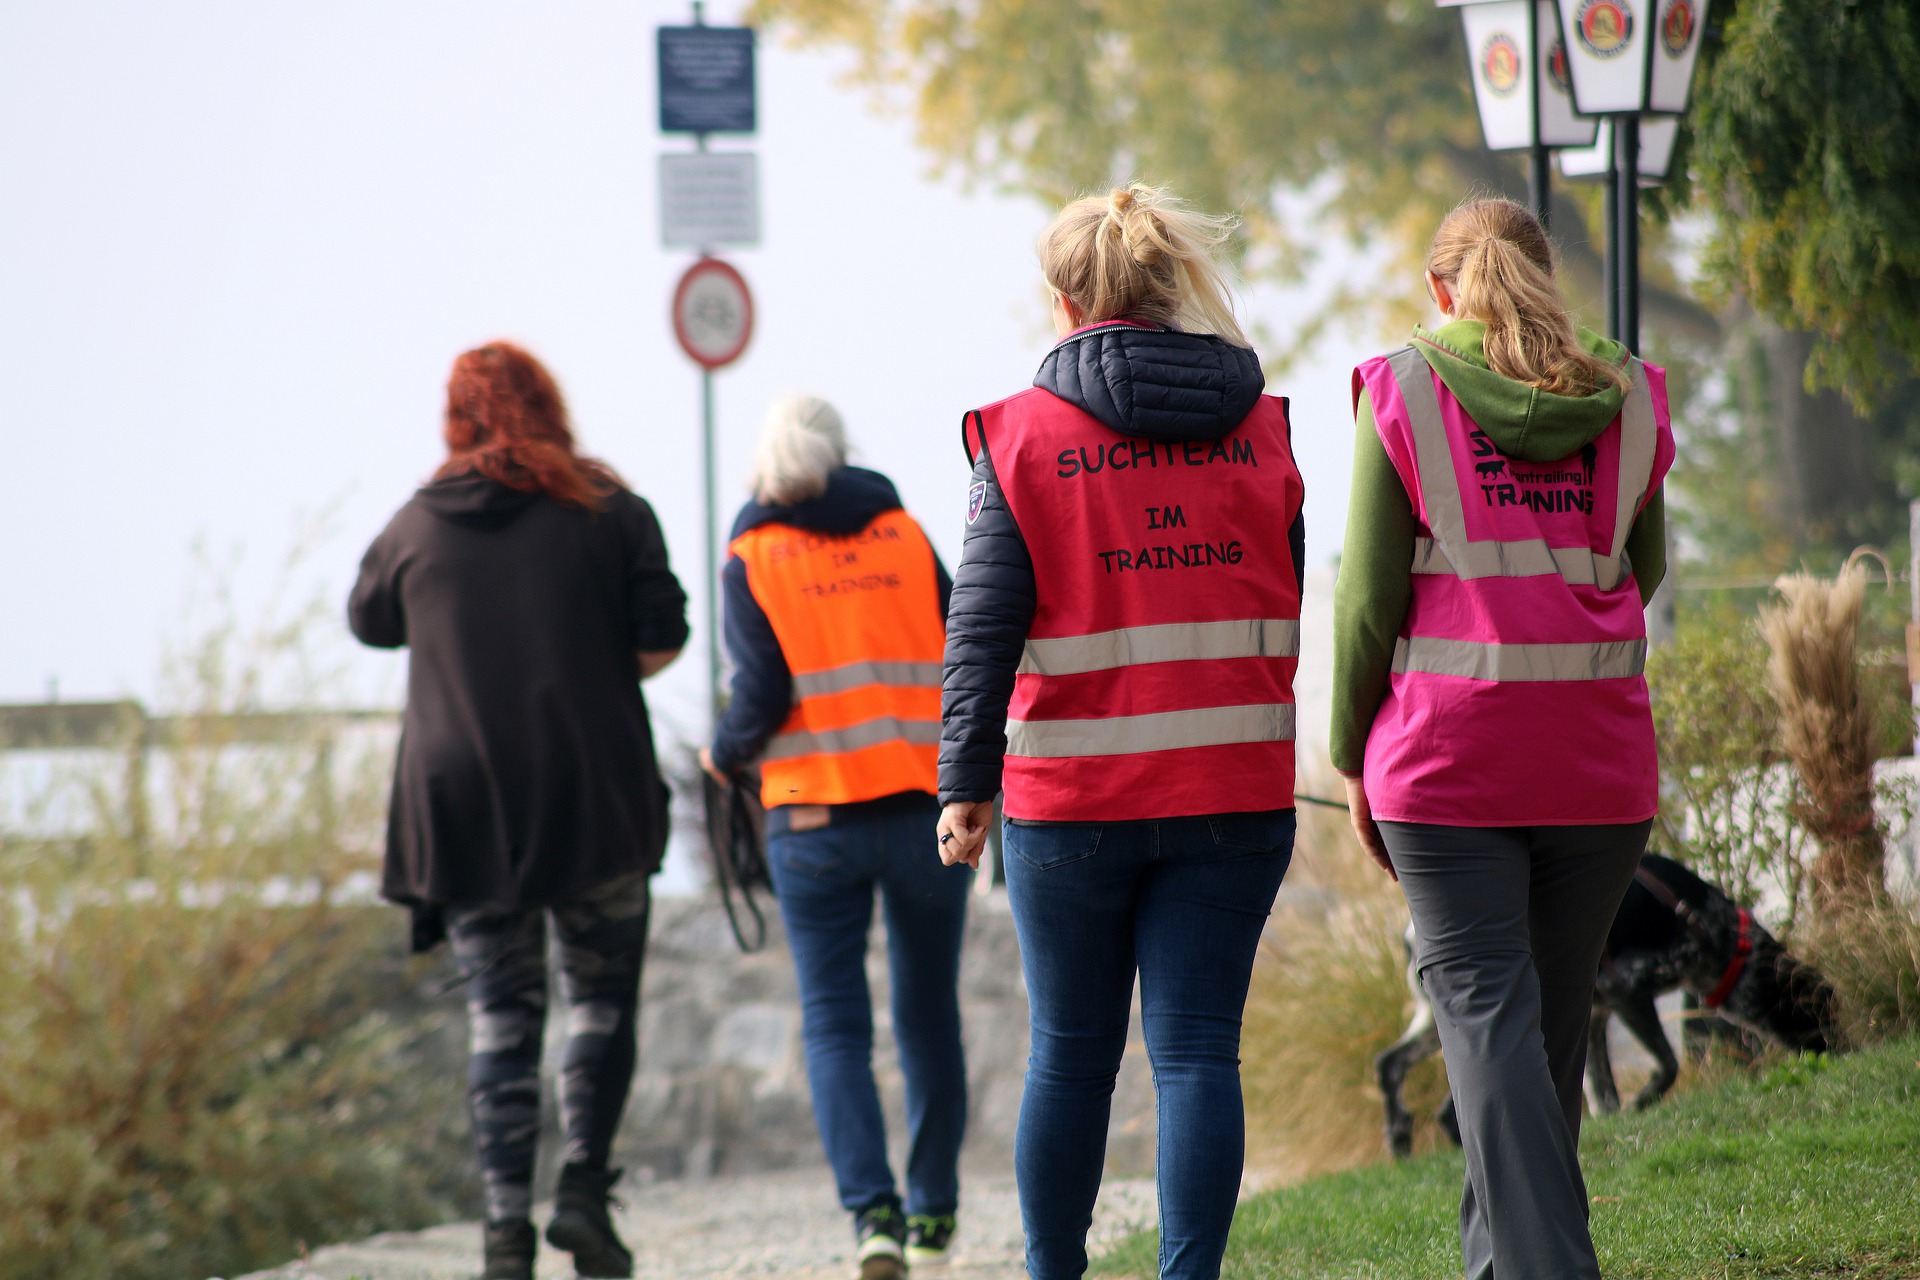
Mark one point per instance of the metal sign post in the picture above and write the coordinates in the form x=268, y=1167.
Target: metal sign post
x=709, y=199
x=713, y=320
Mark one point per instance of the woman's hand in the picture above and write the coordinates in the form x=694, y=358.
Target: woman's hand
x=963, y=831
x=1363, y=825
x=713, y=770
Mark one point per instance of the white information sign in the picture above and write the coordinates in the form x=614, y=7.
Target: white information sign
x=1676, y=45
x=709, y=199
x=1501, y=51
x=1559, y=126
x=1607, y=53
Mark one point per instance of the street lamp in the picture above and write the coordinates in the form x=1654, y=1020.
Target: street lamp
x=1626, y=58
x=1518, y=64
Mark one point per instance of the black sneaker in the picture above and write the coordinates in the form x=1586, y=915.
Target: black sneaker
x=582, y=1226
x=928, y=1235
x=510, y=1247
x=882, y=1233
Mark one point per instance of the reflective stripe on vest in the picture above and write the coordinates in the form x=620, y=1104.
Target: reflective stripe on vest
x=1450, y=551
x=868, y=733
x=1473, y=660
x=856, y=675
x=1156, y=731
x=1166, y=642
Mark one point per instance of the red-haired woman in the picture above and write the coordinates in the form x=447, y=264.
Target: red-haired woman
x=533, y=590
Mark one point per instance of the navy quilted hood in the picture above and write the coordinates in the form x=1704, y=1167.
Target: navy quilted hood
x=1152, y=382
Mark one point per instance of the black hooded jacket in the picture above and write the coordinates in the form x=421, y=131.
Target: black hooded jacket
x=526, y=774
x=1145, y=382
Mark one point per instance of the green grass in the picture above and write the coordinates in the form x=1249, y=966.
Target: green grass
x=1811, y=1167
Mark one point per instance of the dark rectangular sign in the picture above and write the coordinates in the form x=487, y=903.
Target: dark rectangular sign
x=706, y=80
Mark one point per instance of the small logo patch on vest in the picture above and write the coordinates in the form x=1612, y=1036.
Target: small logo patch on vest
x=976, y=501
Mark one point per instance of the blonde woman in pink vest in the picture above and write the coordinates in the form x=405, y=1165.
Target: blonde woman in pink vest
x=1120, y=656
x=1490, y=716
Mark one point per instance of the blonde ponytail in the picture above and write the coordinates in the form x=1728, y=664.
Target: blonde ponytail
x=1138, y=253
x=1495, y=257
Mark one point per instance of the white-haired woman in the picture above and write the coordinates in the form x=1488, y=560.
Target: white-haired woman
x=835, y=610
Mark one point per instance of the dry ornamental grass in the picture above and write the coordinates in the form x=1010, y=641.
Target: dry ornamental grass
x=1827, y=729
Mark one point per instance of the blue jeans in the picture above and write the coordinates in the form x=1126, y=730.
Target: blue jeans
x=1184, y=902
x=825, y=880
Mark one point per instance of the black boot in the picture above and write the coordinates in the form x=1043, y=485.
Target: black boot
x=510, y=1247
x=582, y=1226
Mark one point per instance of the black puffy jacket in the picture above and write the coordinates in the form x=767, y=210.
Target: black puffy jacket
x=1149, y=383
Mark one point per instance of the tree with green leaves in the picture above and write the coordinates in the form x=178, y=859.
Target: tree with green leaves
x=1355, y=118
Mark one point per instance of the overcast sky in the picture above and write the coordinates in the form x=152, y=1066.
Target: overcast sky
x=240, y=244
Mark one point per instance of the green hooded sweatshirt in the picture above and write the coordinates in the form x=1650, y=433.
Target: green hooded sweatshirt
x=1375, y=585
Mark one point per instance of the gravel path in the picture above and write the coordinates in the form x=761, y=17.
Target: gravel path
x=778, y=1226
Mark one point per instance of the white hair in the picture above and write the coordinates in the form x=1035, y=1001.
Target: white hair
x=801, y=444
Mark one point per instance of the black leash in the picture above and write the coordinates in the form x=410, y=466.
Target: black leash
x=735, y=840
x=1325, y=804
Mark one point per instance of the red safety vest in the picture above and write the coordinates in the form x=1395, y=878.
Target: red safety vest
x=1516, y=697
x=858, y=620
x=1157, y=680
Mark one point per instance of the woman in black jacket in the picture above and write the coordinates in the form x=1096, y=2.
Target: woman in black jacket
x=1121, y=645
x=533, y=590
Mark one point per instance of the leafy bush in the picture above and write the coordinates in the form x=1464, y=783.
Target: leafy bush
x=1728, y=797
x=198, y=1071
x=1735, y=808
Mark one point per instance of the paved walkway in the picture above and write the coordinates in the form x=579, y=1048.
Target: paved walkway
x=776, y=1226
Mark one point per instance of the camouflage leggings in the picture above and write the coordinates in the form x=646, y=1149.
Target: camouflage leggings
x=603, y=938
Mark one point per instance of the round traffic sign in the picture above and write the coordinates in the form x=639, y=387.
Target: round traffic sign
x=712, y=313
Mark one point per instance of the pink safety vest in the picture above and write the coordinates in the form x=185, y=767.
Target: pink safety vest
x=1157, y=679
x=1517, y=696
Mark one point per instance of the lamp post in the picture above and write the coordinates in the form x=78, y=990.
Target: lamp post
x=1627, y=59
x=1600, y=162
x=1518, y=64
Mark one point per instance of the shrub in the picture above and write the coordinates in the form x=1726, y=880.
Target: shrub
x=1871, y=955
x=196, y=1074
x=1728, y=799
x=1746, y=788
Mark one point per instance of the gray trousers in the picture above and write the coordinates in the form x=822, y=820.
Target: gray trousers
x=1511, y=922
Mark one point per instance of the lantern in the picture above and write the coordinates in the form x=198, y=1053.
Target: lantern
x=1630, y=56
x=1520, y=78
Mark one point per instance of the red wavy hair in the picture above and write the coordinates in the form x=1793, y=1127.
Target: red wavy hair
x=507, y=421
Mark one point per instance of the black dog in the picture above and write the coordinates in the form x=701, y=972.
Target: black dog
x=1673, y=930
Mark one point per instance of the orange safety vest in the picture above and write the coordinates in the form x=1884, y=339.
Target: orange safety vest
x=858, y=618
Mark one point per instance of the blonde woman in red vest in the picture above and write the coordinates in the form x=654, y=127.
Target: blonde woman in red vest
x=1490, y=716
x=835, y=606
x=1120, y=660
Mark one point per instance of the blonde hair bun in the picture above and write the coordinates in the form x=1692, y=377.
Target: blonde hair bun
x=1139, y=253
x=1496, y=259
